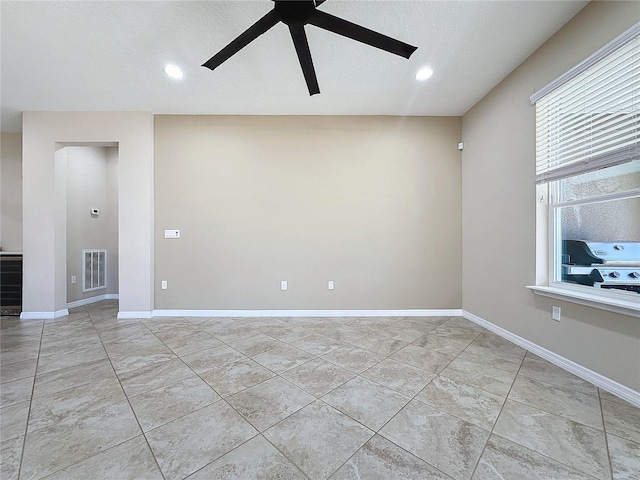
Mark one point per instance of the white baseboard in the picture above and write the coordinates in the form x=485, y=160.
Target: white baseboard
x=597, y=379
x=90, y=300
x=140, y=314
x=43, y=315
x=304, y=313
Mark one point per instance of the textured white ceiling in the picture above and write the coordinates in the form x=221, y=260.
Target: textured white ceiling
x=109, y=56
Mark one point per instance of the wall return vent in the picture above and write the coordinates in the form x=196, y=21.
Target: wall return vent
x=94, y=270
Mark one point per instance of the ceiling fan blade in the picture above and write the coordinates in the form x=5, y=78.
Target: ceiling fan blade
x=361, y=34
x=299, y=38
x=246, y=37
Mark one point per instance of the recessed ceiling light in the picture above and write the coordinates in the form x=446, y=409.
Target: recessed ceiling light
x=424, y=73
x=173, y=71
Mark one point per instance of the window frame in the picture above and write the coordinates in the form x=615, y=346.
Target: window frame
x=548, y=227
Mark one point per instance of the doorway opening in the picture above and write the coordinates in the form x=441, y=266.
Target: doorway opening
x=87, y=179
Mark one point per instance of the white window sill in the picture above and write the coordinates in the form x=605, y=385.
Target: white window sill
x=623, y=306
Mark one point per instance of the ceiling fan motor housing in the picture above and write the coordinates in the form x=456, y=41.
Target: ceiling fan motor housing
x=294, y=12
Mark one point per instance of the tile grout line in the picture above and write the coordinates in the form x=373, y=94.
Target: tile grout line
x=129, y=402
x=548, y=413
x=484, y=448
x=26, y=427
x=606, y=438
x=224, y=399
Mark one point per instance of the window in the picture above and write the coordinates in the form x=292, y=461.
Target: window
x=588, y=174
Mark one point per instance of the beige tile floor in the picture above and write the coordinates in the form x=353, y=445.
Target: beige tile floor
x=92, y=397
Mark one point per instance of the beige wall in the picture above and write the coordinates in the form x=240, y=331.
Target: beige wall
x=44, y=214
x=11, y=192
x=88, y=186
x=372, y=203
x=113, y=193
x=499, y=217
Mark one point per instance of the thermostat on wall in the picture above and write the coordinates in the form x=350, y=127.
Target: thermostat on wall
x=95, y=212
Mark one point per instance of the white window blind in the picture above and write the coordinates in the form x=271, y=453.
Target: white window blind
x=589, y=118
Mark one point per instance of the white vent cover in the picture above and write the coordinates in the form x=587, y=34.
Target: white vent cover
x=94, y=270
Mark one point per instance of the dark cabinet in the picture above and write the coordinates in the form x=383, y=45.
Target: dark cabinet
x=10, y=284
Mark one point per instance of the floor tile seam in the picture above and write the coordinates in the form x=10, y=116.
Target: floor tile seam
x=563, y=386
x=382, y=384
x=535, y=452
x=514, y=374
x=288, y=369
x=358, y=421
x=410, y=397
x=384, y=355
x=297, y=386
x=122, y=328
x=194, y=352
x=424, y=369
x=416, y=456
x=284, y=454
x=353, y=455
x=267, y=428
x=333, y=362
x=106, y=356
x=495, y=422
x=224, y=397
x=78, y=386
x=474, y=386
x=26, y=394
x=606, y=438
x=26, y=427
x=79, y=352
x=87, y=458
x=319, y=397
x=134, y=415
x=544, y=454
x=170, y=384
x=451, y=414
x=556, y=414
x=615, y=399
x=485, y=363
x=75, y=416
x=330, y=406
x=69, y=388
x=258, y=434
x=33, y=357
x=445, y=335
x=143, y=432
x=21, y=378
x=21, y=340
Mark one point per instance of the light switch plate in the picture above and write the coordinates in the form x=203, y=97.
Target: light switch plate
x=172, y=234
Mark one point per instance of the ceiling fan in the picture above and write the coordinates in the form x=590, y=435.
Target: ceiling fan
x=296, y=14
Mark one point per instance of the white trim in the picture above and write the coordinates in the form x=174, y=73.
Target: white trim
x=44, y=315
x=304, y=313
x=597, y=379
x=624, y=307
x=614, y=44
x=142, y=314
x=90, y=300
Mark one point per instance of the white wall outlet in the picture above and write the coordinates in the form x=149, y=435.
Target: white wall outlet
x=555, y=313
x=164, y=284
x=330, y=284
x=284, y=285
x=73, y=279
x=172, y=234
